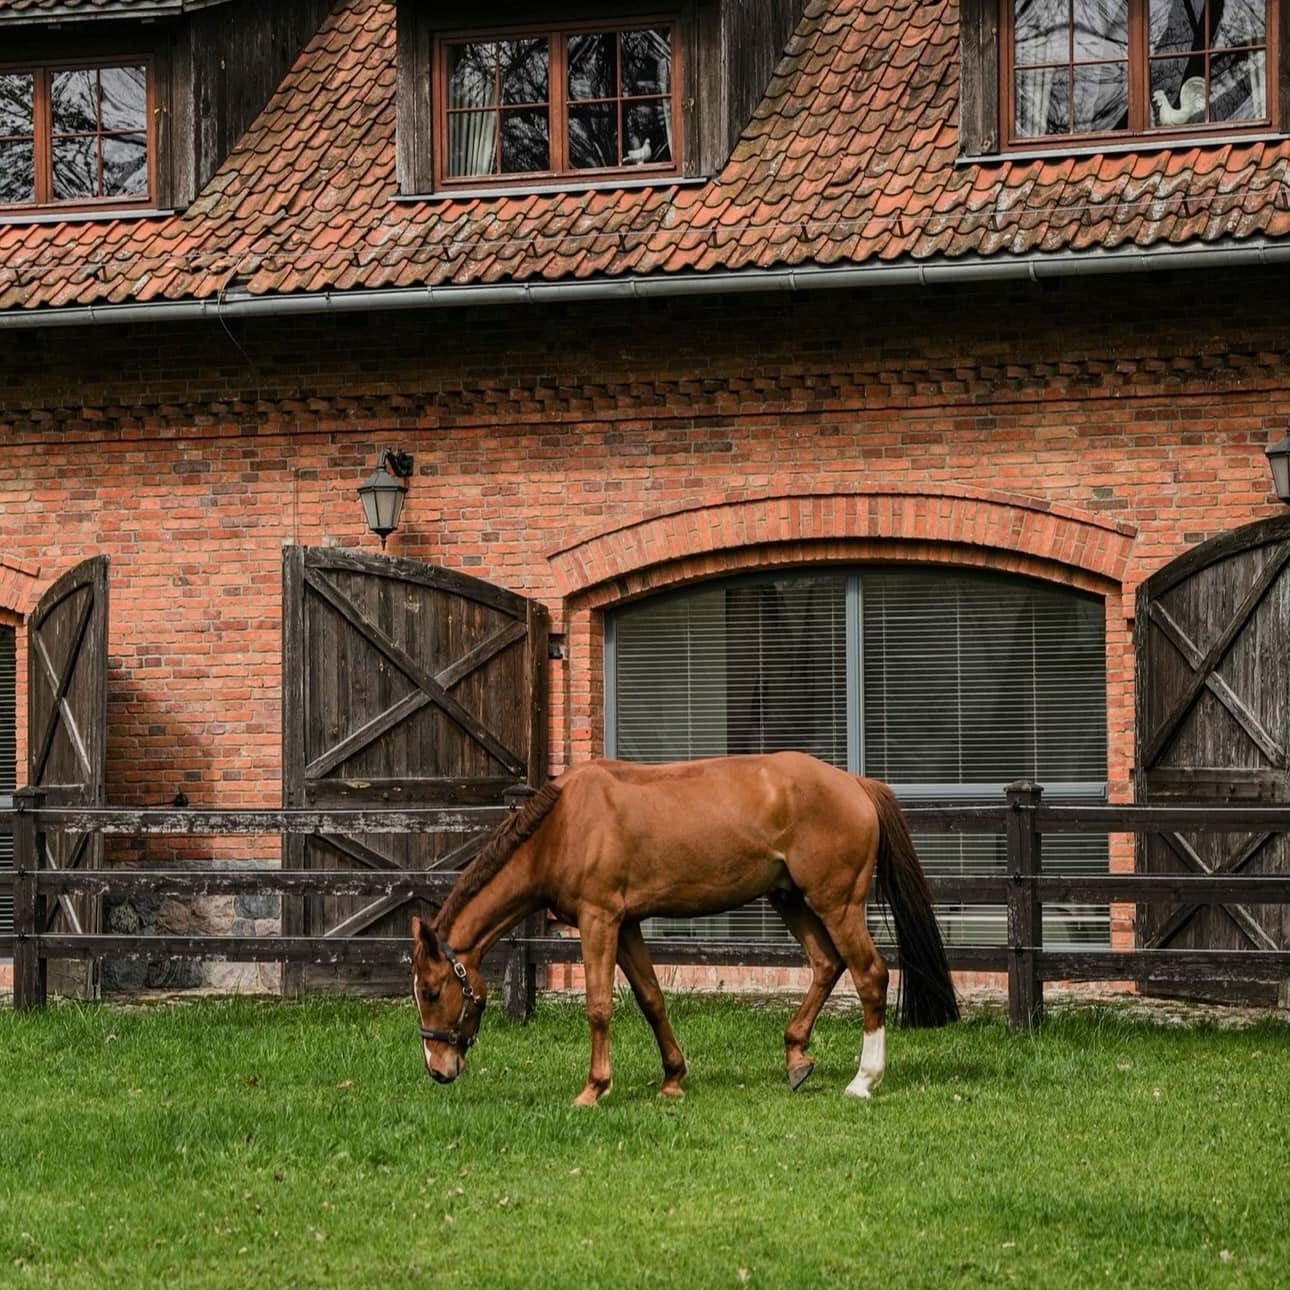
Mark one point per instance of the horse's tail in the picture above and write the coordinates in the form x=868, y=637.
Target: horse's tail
x=927, y=991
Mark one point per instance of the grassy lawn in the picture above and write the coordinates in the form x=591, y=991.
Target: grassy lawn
x=249, y=1143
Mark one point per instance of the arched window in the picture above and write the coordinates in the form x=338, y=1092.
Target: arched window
x=948, y=684
x=8, y=761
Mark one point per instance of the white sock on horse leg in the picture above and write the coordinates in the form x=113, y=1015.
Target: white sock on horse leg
x=873, y=1062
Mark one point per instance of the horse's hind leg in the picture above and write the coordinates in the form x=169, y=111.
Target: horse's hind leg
x=635, y=962
x=826, y=968
x=869, y=972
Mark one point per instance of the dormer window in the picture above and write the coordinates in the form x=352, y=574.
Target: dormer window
x=543, y=104
x=1097, y=74
x=1107, y=68
x=75, y=134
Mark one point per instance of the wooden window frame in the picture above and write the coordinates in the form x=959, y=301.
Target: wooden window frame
x=557, y=104
x=1138, y=63
x=41, y=70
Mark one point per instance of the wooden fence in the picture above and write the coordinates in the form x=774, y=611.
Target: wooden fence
x=1024, y=888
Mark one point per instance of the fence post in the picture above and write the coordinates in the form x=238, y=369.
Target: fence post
x=1025, y=913
x=30, y=968
x=519, y=979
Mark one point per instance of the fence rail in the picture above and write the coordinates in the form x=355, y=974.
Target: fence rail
x=1024, y=889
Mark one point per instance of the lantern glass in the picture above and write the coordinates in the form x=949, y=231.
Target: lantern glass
x=1279, y=459
x=382, y=496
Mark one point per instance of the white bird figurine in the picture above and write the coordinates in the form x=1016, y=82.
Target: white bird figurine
x=1191, y=103
x=639, y=156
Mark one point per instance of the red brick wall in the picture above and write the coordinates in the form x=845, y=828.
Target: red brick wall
x=1086, y=433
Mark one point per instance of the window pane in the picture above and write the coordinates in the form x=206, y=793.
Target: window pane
x=472, y=143
x=1177, y=27
x=1236, y=89
x=593, y=135
x=648, y=127
x=1042, y=106
x=15, y=103
x=472, y=76
x=125, y=98
x=125, y=165
x=752, y=666
x=525, y=71
x=17, y=175
x=1101, y=96
x=1101, y=30
x=973, y=679
x=75, y=101
x=1176, y=98
x=525, y=141
x=593, y=67
x=647, y=62
x=1041, y=32
x=75, y=169
x=1243, y=22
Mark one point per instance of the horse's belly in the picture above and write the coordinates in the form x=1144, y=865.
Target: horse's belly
x=698, y=888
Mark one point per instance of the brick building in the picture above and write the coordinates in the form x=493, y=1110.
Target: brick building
x=841, y=391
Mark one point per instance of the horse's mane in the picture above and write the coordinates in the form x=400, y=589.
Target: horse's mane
x=498, y=848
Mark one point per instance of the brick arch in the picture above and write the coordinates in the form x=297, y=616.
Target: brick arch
x=19, y=586
x=718, y=536
x=950, y=525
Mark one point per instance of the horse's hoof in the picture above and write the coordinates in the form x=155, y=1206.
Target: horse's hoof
x=671, y=1090
x=799, y=1075
x=590, y=1096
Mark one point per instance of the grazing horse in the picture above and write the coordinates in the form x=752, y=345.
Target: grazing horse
x=610, y=843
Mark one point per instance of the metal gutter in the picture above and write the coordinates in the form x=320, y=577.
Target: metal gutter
x=1036, y=267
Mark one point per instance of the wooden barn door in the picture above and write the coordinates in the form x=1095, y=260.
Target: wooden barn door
x=404, y=685
x=1213, y=681
x=67, y=738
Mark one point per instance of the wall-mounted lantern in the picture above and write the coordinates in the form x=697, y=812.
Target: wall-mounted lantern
x=1279, y=459
x=383, y=492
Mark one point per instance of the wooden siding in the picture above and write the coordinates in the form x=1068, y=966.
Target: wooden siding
x=8, y=760
x=753, y=36
x=979, y=77
x=224, y=65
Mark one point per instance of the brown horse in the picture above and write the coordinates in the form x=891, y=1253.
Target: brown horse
x=610, y=843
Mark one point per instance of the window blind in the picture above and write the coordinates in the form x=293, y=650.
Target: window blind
x=947, y=684
x=8, y=759
x=736, y=668
x=972, y=681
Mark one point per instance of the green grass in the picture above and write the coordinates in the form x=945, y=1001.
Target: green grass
x=249, y=1143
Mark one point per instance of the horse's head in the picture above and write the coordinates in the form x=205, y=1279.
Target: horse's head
x=450, y=998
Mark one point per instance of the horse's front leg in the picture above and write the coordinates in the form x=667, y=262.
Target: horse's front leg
x=599, y=950
x=634, y=960
x=826, y=968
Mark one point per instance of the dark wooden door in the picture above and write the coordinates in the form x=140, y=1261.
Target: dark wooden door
x=67, y=737
x=1213, y=686
x=404, y=685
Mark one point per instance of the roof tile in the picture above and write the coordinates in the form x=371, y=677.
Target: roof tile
x=850, y=157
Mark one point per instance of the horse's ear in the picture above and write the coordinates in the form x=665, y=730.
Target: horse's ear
x=422, y=932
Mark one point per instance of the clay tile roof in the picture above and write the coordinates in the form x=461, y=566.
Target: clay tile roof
x=850, y=158
x=33, y=11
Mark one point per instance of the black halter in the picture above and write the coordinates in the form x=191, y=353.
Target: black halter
x=468, y=996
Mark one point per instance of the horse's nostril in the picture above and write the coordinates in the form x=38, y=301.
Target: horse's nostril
x=440, y=1078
